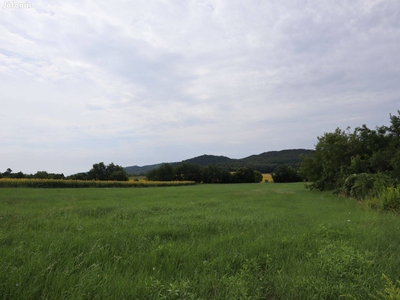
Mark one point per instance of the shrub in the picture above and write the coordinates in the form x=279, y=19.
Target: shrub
x=389, y=199
x=365, y=185
x=358, y=186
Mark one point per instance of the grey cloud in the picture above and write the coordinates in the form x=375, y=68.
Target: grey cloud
x=113, y=81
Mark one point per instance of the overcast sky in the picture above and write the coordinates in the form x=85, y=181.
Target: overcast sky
x=144, y=82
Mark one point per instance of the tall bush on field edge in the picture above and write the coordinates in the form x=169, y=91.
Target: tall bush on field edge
x=389, y=199
x=358, y=164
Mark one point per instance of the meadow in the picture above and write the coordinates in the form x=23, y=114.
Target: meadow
x=236, y=241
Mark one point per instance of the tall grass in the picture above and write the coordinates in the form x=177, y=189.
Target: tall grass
x=244, y=241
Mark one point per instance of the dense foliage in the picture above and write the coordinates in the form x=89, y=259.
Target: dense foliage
x=286, y=173
x=362, y=163
x=208, y=174
x=100, y=171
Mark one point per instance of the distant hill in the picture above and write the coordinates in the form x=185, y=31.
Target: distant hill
x=278, y=157
x=265, y=162
x=205, y=160
x=140, y=170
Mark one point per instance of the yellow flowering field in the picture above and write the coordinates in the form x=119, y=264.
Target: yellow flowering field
x=267, y=177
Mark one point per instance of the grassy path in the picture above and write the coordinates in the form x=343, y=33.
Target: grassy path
x=244, y=241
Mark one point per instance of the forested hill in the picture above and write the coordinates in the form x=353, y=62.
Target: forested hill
x=265, y=162
x=205, y=160
x=136, y=170
x=287, y=157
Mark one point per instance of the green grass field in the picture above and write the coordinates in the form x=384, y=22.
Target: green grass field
x=243, y=241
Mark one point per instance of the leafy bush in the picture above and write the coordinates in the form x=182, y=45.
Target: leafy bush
x=363, y=185
x=366, y=186
x=382, y=181
x=358, y=186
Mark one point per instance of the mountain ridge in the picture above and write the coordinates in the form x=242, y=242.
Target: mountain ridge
x=264, y=162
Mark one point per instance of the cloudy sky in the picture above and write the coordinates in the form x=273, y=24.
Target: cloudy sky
x=143, y=82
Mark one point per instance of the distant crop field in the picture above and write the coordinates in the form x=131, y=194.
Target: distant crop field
x=236, y=241
x=137, y=178
x=267, y=178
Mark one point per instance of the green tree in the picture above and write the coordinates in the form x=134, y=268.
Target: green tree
x=116, y=172
x=119, y=175
x=100, y=171
x=152, y=175
x=211, y=174
x=246, y=175
x=394, y=145
x=225, y=176
x=340, y=155
x=257, y=177
x=285, y=173
x=326, y=164
x=41, y=175
x=7, y=173
x=79, y=176
x=164, y=173
x=188, y=171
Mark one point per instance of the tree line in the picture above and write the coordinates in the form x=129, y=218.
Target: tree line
x=207, y=174
x=99, y=171
x=38, y=175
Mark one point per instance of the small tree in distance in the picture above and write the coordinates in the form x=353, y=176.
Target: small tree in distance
x=110, y=172
x=286, y=173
